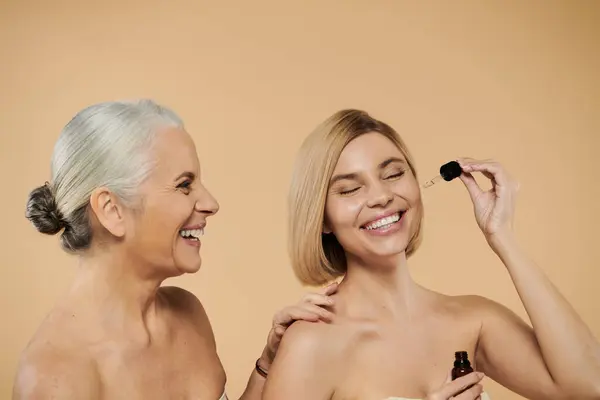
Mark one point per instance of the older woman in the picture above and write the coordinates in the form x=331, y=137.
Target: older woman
x=126, y=193
x=356, y=212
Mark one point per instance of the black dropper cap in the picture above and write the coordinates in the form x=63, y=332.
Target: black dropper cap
x=450, y=170
x=461, y=358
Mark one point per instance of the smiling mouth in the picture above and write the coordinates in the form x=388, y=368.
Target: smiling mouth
x=191, y=234
x=384, y=222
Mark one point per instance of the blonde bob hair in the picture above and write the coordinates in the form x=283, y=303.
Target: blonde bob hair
x=318, y=258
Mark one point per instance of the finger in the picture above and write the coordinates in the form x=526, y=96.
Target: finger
x=280, y=330
x=290, y=314
x=490, y=169
x=471, y=160
x=329, y=289
x=472, y=393
x=323, y=313
x=307, y=312
x=318, y=299
x=483, y=171
x=471, y=184
x=460, y=384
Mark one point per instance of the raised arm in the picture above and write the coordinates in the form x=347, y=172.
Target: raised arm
x=558, y=357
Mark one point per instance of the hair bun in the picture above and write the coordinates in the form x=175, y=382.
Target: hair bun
x=43, y=212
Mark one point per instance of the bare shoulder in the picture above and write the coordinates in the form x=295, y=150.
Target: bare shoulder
x=179, y=299
x=185, y=305
x=311, y=338
x=484, y=307
x=469, y=305
x=307, y=347
x=54, y=370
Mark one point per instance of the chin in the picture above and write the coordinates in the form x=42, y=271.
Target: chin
x=189, y=267
x=186, y=264
x=388, y=246
x=387, y=254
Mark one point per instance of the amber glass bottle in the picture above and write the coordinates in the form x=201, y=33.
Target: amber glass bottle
x=462, y=365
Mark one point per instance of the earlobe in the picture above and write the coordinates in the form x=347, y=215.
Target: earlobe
x=108, y=211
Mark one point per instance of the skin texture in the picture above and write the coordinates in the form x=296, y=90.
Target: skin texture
x=117, y=333
x=393, y=337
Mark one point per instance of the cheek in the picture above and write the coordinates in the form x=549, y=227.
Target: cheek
x=342, y=213
x=165, y=217
x=408, y=189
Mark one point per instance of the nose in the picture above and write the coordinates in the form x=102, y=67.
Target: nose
x=206, y=203
x=379, y=195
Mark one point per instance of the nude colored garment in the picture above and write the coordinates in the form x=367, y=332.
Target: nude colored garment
x=484, y=396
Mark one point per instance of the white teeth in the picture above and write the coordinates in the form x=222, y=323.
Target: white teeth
x=383, y=222
x=191, y=233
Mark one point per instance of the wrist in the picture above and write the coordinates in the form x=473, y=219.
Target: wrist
x=265, y=360
x=260, y=370
x=502, y=242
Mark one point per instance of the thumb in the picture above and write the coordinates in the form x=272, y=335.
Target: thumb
x=471, y=185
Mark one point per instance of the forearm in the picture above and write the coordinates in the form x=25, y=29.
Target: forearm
x=256, y=382
x=254, y=388
x=570, y=350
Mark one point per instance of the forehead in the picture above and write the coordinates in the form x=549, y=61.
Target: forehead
x=367, y=152
x=174, y=152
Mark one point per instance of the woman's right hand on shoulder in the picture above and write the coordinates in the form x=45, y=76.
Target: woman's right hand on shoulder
x=466, y=387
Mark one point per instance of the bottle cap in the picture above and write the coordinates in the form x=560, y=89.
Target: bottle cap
x=450, y=170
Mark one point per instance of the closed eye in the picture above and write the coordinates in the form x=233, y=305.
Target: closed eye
x=348, y=191
x=395, y=176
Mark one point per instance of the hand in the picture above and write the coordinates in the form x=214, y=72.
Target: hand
x=494, y=209
x=309, y=308
x=464, y=388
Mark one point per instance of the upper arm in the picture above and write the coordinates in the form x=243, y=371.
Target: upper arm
x=508, y=352
x=52, y=376
x=302, y=368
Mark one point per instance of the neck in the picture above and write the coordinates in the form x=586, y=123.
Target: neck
x=111, y=289
x=379, y=289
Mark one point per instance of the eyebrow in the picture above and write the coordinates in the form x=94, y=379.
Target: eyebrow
x=352, y=176
x=186, y=174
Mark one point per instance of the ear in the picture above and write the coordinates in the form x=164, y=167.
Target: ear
x=108, y=211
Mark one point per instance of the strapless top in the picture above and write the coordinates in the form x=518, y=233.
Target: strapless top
x=484, y=396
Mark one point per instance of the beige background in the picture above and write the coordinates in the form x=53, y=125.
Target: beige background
x=516, y=81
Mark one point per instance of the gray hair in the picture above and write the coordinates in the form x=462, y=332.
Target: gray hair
x=105, y=144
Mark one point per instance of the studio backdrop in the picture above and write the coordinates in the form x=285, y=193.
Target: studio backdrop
x=509, y=80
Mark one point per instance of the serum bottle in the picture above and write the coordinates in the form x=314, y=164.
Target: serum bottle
x=462, y=365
